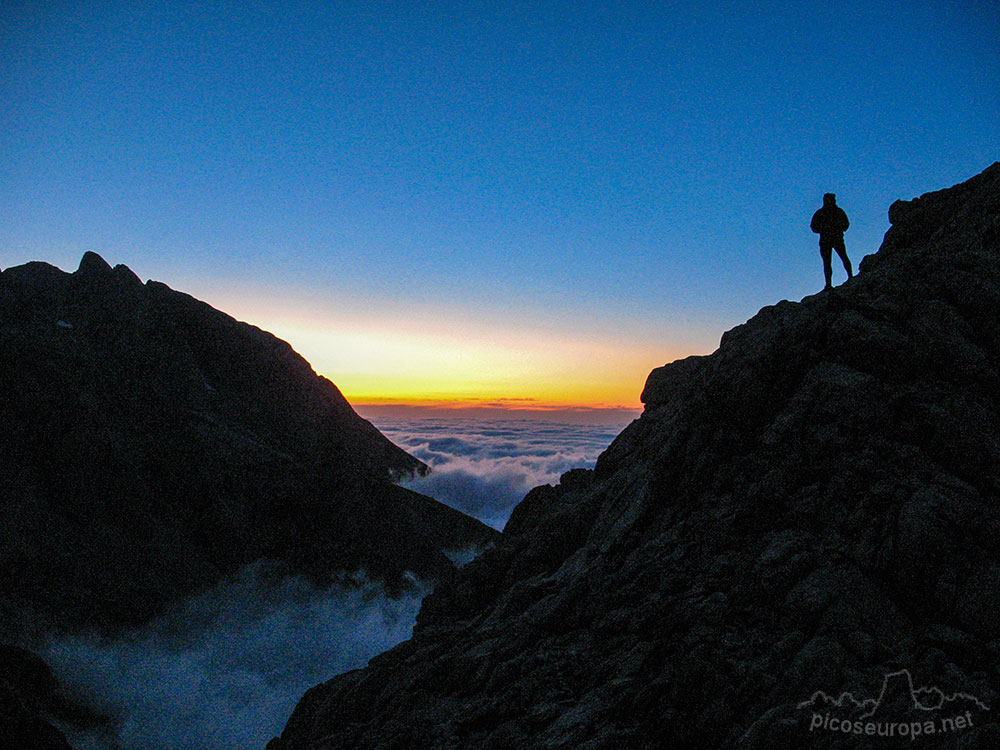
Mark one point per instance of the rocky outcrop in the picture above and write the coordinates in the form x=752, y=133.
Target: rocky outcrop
x=808, y=511
x=29, y=692
x=151, y=445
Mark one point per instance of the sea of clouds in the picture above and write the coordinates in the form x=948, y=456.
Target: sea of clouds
x=484, y=468
x=224, y=669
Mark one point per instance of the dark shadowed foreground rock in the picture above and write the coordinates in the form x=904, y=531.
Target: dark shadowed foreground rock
x=151, y=445
x=28, y=691
x=810, y=510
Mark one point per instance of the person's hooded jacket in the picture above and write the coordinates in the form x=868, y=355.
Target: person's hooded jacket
x=830, y=222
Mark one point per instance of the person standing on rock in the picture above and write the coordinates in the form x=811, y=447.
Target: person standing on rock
x=830, y=223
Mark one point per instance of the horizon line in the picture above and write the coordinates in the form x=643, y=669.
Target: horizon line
x=520, y=408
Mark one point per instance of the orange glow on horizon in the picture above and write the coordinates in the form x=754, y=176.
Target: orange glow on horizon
x=506, y=404
x=459, y=364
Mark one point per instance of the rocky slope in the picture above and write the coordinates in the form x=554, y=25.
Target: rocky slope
x=28, y=692
x=150, y=445
x=810, y=510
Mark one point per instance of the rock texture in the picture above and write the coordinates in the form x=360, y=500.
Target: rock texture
x=29, y=691
x=810, y=509
x=150, y=445
x=32, y=700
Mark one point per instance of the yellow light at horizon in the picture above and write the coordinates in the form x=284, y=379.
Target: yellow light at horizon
x=379, y=365
x=432, y=361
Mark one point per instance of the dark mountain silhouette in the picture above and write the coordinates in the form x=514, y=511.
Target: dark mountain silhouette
x=28, y=692
x=812, y=507
x=150, y=445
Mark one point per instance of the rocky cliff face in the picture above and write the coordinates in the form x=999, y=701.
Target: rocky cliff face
x=150, y=445
x=29, y=692
x=811, y=508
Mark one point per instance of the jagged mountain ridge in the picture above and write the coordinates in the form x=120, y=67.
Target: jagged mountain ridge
x=151, y=445
x=812, y=507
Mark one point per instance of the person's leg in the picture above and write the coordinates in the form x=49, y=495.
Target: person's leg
x=842, y=252
x=824, y=251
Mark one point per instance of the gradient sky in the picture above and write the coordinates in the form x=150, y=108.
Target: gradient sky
x=529, y=203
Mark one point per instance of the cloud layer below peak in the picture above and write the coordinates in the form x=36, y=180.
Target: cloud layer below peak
x=484, y=468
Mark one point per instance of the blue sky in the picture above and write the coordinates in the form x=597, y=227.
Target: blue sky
x=483, y=179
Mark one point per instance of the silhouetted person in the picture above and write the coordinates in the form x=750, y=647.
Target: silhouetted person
x=830, y=223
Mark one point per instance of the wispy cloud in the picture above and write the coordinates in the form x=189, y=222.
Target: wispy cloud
x=485, y=468
x=225, y=669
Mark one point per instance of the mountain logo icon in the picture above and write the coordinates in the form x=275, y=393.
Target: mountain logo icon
x=894, y=684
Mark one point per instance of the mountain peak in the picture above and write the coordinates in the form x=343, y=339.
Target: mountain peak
x=814, y=502
x=92, y=263
x=151, y=444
